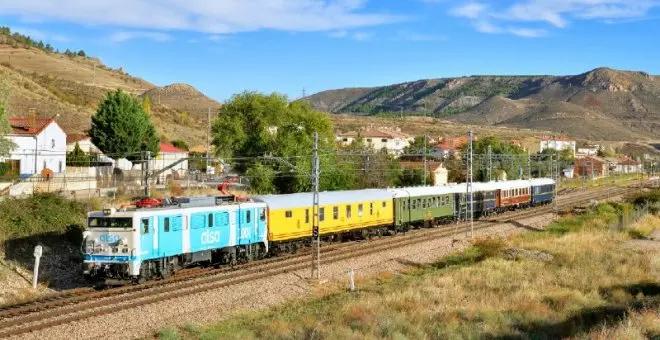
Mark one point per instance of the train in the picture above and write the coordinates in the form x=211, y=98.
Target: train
x=156, y=238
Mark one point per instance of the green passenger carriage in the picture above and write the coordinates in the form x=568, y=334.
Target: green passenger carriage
x=423, y=206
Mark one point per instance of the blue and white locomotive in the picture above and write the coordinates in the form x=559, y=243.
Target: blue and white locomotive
x=140, y=244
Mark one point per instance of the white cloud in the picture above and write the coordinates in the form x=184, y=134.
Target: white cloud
x=362, y=36
x=131, y=35
x=487, y=16
x=527, y=32
x=410, y=36
x=222, y=16
x=338, y=34
x=472, y=10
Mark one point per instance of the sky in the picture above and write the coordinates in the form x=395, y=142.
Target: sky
x=223, y=47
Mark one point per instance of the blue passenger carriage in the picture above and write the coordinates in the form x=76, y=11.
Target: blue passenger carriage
x=543, y=191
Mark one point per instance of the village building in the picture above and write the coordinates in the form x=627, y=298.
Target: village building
x=40, y=146
x=448, y=147
x=587, y=150
x=172, y=160
x=393, y=141
x=591, y=167
x=627, y=166
x=557, y=143
x=437, y=171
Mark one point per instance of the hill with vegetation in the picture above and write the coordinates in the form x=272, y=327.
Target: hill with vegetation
x=603, y=104
x=71, y=84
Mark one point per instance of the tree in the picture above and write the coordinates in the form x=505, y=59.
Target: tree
x=505, y=156
x=121, y=128
x=252, y=125
x=146, y=105
x=6, y=144
x=416, y=148
x=77, y=157
x=81, y=53
x=181, y=144
x=412, y=177
x=261, y=179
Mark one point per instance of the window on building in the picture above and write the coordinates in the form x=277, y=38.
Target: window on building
x=306, y=215
x=321, y=214
x=59, y=167
x=288, y=214
x=52, y=143
x=166, y=224
x=368, y=140
x=345, y=139
x=384, y=140
x=248, y=216
x=210, y=225
x=360, y=210
x=335, y=213
x=348, y=211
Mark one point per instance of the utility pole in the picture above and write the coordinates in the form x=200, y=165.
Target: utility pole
x=556, y=178
x=529, y=165
x=490, y=163
x=316, y=239
x=208, y=138
x=424, y=157
x=304, y=94
x=147, y=178
x=469, y=200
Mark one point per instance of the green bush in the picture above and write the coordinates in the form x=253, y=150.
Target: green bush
x=40, y=214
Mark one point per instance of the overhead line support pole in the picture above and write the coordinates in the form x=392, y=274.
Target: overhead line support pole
x=316, y=237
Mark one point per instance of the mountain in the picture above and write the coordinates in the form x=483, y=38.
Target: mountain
x=602, y=104
x=72, y=84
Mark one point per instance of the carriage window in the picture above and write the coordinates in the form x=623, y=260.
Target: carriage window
x=348, y=211
x=167, y=224
x=335, y=212
x=263, y=215
x=384, y=204
x=145, y=226
x=210, y=221
x=306, y=215
x=288, y=214
x=371, y=208
x=360, y=209
x=321, y=214
x=248, y=216
x=423, y=203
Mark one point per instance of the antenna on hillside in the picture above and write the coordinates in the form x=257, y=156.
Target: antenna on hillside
x=304, y=94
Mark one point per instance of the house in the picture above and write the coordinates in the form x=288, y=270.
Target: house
x=557, y=143
x=627, y=166
x=84, y=142
x=591, y=167
x=437, y=170
x=449, y=147
x=40, y=145
x=172, y=160
x=587, y=150
x=379, y=139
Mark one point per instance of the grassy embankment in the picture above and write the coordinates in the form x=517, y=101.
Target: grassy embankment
x=583, y=276
x=613, y=181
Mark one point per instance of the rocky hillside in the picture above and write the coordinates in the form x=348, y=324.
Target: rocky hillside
x=72, y=85
x=602, y=104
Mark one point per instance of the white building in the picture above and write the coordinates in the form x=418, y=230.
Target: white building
x=586, y=151
x=40, y=144
x=168, y=155
x=558, y=143
x=392, y=141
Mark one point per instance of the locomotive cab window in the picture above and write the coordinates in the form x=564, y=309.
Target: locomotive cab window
x=210, y=221
x=262, y=215
x=145, y=226
x=248, y=216
x=288, y=214
x=166, y=225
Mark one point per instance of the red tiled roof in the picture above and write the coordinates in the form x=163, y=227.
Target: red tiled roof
x=21, y=126
x=164, y=147
x=628, y=161
x=70, y=139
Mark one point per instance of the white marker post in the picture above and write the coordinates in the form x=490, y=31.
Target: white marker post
x=351, y=280
x=38, y=250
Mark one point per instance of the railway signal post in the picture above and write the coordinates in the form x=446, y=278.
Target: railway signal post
x=316, y=239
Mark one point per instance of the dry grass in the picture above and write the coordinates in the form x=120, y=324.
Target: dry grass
x=645, y=227
x=587, y=289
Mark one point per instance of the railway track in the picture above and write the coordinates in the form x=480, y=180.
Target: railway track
x=74, y=305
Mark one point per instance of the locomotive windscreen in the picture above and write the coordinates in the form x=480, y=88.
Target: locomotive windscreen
x=110, y=222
